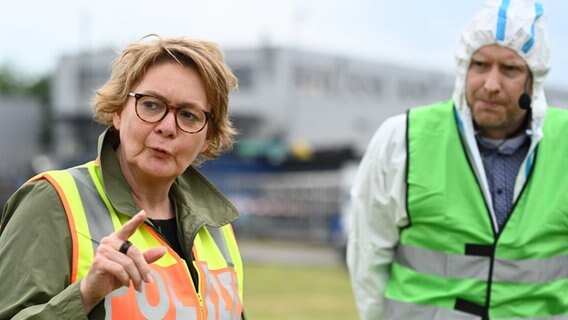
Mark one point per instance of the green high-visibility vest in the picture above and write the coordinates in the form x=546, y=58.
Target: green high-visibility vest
x=450, y=263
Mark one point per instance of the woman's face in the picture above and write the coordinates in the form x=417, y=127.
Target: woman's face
x=161, y=150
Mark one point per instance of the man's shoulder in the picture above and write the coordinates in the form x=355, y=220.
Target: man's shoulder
x=556, y=119
x=393, y=125
x=561, y=112
x=440, y=106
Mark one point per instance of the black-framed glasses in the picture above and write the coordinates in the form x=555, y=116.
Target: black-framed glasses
x=152, y=109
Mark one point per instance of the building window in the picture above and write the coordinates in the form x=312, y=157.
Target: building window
x=245, y=76
x=364, y=85
x=412, y=90
x=90, y=79
x=313, y=80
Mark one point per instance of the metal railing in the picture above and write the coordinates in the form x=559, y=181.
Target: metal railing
x=298, y=205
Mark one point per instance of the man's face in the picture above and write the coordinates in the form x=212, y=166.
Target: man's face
x=495, y=79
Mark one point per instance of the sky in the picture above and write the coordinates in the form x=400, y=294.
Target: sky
x=422, y=34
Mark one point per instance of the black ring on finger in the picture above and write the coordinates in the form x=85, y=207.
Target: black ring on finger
x=124, y=247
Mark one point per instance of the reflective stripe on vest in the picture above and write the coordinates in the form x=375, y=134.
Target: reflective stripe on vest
x=171, y=296
x=401, y=310
x=450, y=260
x=477, y=267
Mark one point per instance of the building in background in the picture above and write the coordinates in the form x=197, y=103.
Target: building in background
x=73, y=86
x=290, y=103
x=305, y=118
x=20, y=127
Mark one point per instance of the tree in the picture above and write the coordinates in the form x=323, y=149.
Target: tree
x=15, y=84
x=11, y=83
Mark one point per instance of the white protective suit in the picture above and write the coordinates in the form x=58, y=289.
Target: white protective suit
x=378, y=195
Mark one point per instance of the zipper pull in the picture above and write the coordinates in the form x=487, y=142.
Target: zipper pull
x=200, y=300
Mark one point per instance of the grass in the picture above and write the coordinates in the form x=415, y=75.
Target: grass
x=274, y=292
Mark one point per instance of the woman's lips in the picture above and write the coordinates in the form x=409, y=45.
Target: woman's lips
x=160, y=152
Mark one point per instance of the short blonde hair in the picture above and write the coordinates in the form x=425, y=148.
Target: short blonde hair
x=204, y=56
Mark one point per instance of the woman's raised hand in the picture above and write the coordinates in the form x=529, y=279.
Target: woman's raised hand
x=117, y=263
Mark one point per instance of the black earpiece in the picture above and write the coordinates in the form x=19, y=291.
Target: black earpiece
x=525, y=99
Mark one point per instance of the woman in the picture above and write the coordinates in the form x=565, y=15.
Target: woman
x=138, y=233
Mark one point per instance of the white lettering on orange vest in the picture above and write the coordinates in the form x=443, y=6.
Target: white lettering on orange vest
x=161, y=309
x=221, y=298
x=183, y=312
x=221, y=289
x=108, y=301
x=166, y=295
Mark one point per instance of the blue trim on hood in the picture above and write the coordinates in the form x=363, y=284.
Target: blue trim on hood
x=458, y=119
x=539, y=10
x=502, y=20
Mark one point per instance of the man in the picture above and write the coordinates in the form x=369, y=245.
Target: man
x=459, y=209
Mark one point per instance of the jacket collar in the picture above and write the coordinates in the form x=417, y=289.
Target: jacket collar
x=193, y=195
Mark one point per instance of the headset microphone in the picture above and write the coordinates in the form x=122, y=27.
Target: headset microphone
x=525, y=99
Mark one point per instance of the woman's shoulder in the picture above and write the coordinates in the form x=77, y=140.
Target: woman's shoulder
x=36, y=250
x=33, y=201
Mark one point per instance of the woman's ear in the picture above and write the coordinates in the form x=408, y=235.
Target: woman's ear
x=204, y=146
x=116, y=119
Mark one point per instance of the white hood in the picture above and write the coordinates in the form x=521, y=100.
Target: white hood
x=515, y=24
x=518, y=25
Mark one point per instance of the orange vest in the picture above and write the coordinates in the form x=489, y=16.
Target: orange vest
x=171, y=295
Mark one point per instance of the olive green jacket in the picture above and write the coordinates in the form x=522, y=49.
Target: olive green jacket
x=35, y=242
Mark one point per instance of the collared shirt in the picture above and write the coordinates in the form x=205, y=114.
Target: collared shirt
x=502, y=160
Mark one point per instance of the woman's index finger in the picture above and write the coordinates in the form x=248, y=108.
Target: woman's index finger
x=130, y=227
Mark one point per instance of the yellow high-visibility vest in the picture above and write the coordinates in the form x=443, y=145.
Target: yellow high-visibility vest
x=172, y=294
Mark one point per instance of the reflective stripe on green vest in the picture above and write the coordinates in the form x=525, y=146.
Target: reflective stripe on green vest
x=449, y=264
x=92, y=217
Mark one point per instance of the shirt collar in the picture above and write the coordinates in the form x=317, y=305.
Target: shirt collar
x=503, y=146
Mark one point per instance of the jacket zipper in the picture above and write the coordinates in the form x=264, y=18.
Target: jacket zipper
x=189, y=262
x=191, y=265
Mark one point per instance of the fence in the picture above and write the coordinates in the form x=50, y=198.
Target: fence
x=288, y=205
x=296, y=205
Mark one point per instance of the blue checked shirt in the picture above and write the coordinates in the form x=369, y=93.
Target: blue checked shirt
x=501, y=161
